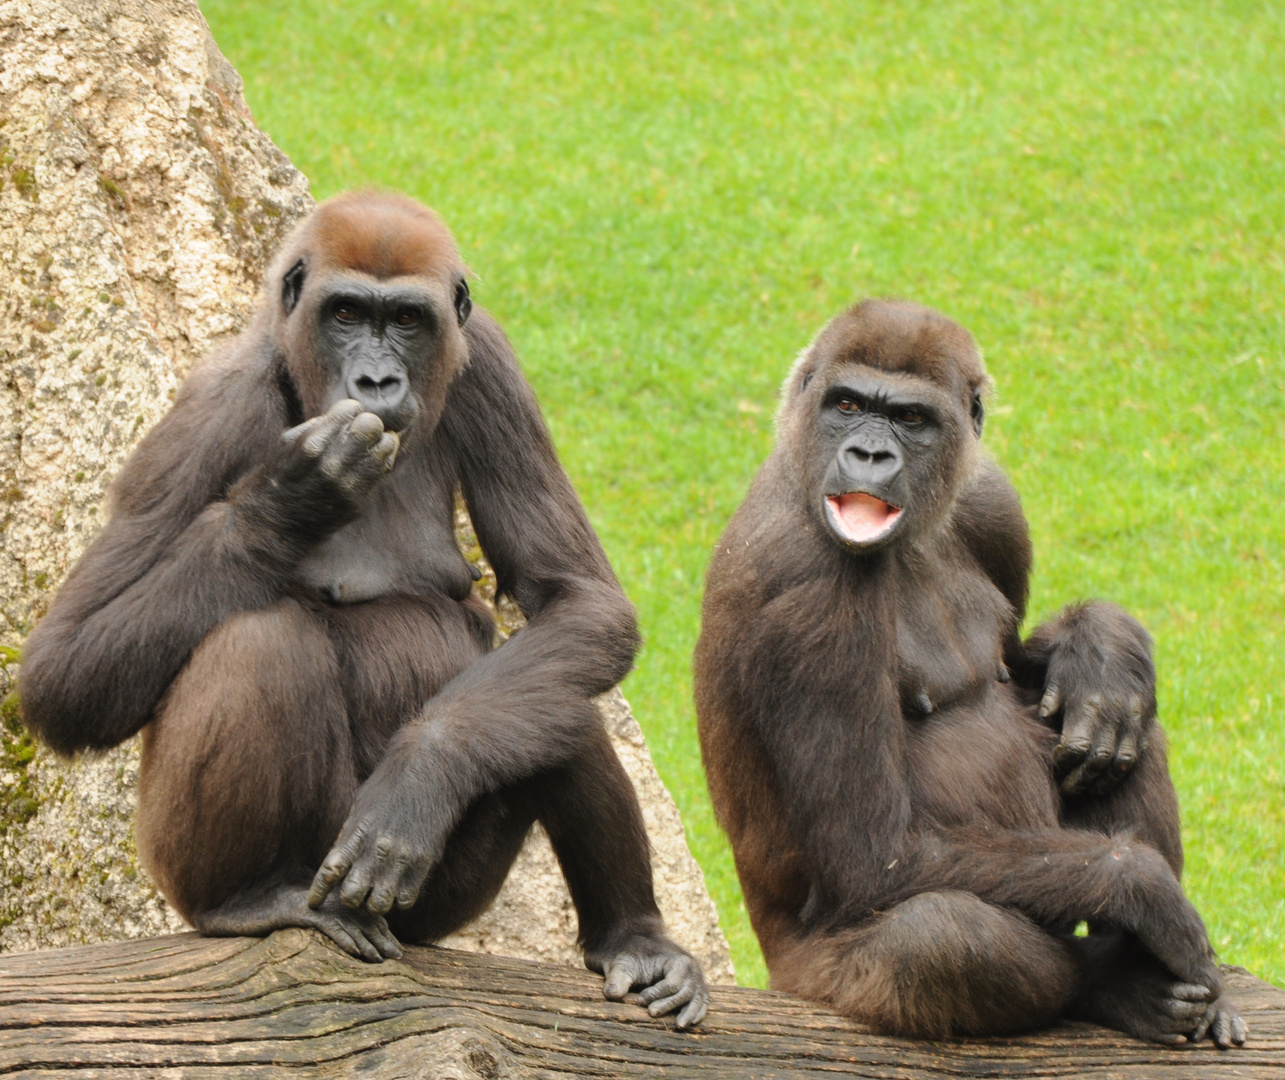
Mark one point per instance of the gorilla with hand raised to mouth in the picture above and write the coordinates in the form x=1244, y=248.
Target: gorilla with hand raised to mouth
x=278, y=603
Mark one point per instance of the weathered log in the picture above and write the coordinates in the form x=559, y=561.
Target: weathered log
x=293, y=1005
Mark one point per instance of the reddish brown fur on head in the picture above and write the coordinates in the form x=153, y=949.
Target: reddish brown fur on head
x=383, y=235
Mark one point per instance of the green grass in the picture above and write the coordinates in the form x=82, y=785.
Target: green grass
x=663, y=203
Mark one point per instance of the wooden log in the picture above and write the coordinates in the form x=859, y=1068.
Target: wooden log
x=292, y=1005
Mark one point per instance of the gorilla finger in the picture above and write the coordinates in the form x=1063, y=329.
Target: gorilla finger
x=1078, y=729
x=332, y=871
x=383, y=895
x=1189, y=992
x=386, y=449
x=619, y=980
x=320, y=431
x=1237, y=1033
x=1126, y=755
x=1198, y=1032
x=684, y=994
x=387, y=888
x=1135, y=712
x=291, y=436
x=1101, y=755
x=358, y=883
x=695, y=1011
x=412, y=881
x=345, y=410
x=352, y=944
x=369, y=951
x=1051, y=701
x=367, y=427
x=1183, y=1015
x=382, y=938
x=667, y=986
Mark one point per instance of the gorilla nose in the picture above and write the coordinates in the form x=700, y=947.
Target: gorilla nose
x=377, y=393
x=870, y=461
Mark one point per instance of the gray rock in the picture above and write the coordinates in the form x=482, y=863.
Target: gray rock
x=138, y=207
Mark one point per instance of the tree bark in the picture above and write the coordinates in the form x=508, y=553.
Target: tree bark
x=293, y=1005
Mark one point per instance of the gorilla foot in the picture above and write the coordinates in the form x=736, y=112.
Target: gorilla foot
x=1134, y=993
x=256, y=914
x=665, y=976
x=1223, y=1023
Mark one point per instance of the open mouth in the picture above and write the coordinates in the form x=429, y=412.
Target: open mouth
x=860, y=518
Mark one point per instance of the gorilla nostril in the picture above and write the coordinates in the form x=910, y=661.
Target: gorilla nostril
x=380, y=389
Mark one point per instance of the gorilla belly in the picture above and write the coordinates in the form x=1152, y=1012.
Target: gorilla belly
x=984, y=763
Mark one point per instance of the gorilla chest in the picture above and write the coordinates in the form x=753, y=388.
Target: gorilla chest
x=950, y=630
x=404, y=544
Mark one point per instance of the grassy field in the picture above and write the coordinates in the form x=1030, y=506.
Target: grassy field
x=663, y=202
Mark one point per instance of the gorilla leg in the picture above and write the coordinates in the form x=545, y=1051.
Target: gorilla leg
x=247, y=775
x=590, y=811
x=1124, y=985
x=473, y=867
x=939, y=964
x=595, y=823
x=591, y=814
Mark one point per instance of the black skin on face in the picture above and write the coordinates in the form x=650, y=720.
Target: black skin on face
x=279, y=605
x=373, y=340
x=922, y=805
x=879, y=435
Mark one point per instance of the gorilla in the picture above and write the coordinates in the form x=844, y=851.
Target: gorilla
x=923, y=807
x=278, y=603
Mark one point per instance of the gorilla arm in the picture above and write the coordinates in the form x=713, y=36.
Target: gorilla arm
x=795, y=686
x=526, y=707
x=1089, y=668
x=187, y=547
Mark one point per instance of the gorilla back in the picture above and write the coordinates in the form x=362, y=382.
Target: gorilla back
x=915, y=840
x=279, y=605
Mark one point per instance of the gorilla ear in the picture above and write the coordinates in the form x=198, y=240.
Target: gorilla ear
x=979, y=413
x=463, y=302
x=292, y=286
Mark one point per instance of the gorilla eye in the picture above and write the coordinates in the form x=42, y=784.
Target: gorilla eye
x=910, y=416
x=407, y=317
x=346, y=313
x=851, y=405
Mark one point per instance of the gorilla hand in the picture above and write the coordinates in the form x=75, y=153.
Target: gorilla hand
x=322, y=470
x=668, y=976
x=390, y=843
x=1102, y=682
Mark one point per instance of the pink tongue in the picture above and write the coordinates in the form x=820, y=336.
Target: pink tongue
x=862, y=517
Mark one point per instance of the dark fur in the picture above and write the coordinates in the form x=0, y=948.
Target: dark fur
x=300, y=649
x=872, y=732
